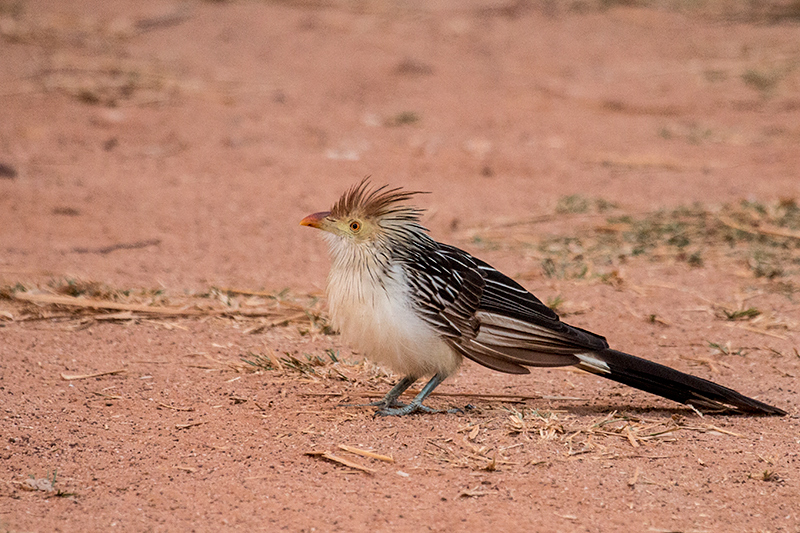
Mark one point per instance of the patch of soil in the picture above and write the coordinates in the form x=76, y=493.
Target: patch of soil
x=164, y=358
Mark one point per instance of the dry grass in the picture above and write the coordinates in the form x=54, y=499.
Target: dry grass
x=504, y=438
x=764, y=238
x=81, y=303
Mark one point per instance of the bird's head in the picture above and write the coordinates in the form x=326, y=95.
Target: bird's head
x=371, y=215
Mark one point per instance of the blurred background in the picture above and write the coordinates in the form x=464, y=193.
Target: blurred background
x=178, y=144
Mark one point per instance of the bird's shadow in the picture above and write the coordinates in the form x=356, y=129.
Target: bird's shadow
x=594, y=410
x=604, y=409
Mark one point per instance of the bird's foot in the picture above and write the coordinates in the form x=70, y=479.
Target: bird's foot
x=383, y=404
x=413, y=407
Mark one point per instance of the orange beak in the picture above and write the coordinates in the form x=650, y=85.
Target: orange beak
x=315, y=220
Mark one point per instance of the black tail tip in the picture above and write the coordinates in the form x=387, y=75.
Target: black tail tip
x=751, y=408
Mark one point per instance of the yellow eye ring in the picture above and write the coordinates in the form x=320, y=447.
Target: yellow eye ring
x=355, y=226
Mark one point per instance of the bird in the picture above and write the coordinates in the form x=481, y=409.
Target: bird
x=420, y=307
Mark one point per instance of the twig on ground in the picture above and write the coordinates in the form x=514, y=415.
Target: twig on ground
x=103, y=304
x=119, y=246
x=330, y=457
x=189, y=425
x=73, y=377
x=772, y=231
x=165, y=406
x=365, y=453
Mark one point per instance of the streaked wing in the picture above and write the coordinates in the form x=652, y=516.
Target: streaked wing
x=513, y=317
x=447, y=287
x=489, y=317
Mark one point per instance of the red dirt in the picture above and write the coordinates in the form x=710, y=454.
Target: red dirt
x=151, y=146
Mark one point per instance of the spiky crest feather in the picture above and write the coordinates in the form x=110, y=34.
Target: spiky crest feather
x=378, y=203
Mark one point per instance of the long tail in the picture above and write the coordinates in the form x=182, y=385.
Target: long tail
x=667, y=382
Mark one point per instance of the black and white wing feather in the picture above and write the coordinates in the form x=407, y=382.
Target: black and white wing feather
x=491, y=319
x=447, y=291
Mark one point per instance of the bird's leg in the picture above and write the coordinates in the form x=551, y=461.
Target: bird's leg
x=416, y=403
x=390, y=400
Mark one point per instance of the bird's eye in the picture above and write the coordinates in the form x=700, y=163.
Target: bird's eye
x=355, y=226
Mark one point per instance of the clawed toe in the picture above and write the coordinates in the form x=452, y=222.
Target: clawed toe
x=413, y=407
x=380, y=403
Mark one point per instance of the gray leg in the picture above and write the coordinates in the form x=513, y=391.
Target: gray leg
x=416, y=404
x=390, y=400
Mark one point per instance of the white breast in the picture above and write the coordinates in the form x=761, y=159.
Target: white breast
x=379, y=321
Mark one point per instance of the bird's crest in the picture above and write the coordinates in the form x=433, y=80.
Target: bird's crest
x=377, y=202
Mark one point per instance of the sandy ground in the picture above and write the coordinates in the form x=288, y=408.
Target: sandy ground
x=156, y=155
